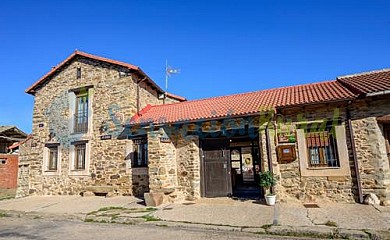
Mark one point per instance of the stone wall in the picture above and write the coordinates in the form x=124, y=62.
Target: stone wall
x=25, y=154
x=336, y=184
x=188, y=165
x=370, y=144
x=113, y=102
x=163, y=166
x=314, y=185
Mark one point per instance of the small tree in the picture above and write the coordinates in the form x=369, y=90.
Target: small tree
x=267, y=180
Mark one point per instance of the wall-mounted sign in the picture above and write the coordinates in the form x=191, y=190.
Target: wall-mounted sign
x=286, y=153
x=105, y=137
x=165, y=140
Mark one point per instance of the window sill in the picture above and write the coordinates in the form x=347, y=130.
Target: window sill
x=79, y=173
x=78, y=133
x=51, y=173
x=322, y=168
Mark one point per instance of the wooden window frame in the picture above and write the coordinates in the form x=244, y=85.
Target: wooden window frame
x=52, y=163
x=80, y=151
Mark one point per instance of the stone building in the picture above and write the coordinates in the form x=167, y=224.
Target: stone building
x=79, y=109
x=324, y=141
x=104, y=127
x=10, y=136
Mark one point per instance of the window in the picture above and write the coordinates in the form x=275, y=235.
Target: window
x=81, y=113
x=53, y=158
x=3, y=161
x=322, y=149
x=78, y=73
x=79, y=158
x=140, y=153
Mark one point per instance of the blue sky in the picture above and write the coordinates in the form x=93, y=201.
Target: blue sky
x=221, y=47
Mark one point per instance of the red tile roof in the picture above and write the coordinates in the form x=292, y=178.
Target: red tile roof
x=368, y=83
x=245, y=103
x=31, y=90
x=179, y=98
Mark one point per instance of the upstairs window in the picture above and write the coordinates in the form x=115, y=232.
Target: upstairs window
x=78, y=73
x=81, y=113
x=140, y=153
x=322, y=149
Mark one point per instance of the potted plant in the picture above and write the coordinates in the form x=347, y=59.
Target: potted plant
x=267, y=181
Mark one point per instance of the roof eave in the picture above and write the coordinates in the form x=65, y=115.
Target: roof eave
x=378, y=93
x=32, y=89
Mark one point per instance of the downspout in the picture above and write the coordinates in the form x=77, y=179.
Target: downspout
x=268, y=146
x=355, y=161
x=269, y=153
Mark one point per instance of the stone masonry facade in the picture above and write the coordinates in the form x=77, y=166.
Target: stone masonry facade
x=339, y=184
x=174, y=166
x=174, y=151
x=112, y=92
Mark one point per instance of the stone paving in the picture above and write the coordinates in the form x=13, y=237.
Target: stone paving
x=327, y=220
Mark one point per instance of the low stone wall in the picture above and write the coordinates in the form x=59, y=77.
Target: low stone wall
x=140, y=181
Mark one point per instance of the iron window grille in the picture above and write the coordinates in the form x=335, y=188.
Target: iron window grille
x=140, y=153
x=79, y=161
x=322, y=149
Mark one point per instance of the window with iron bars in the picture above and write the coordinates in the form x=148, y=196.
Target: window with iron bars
x=322, y=149
x=79, y=160
x=140, y=153
x=81, y=114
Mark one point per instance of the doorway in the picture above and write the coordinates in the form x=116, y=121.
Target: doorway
x=386, y=133
x=245, y=167
x=216, y=168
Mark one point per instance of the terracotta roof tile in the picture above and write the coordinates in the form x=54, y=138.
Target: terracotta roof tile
x=244, y=103
x=368, y=82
